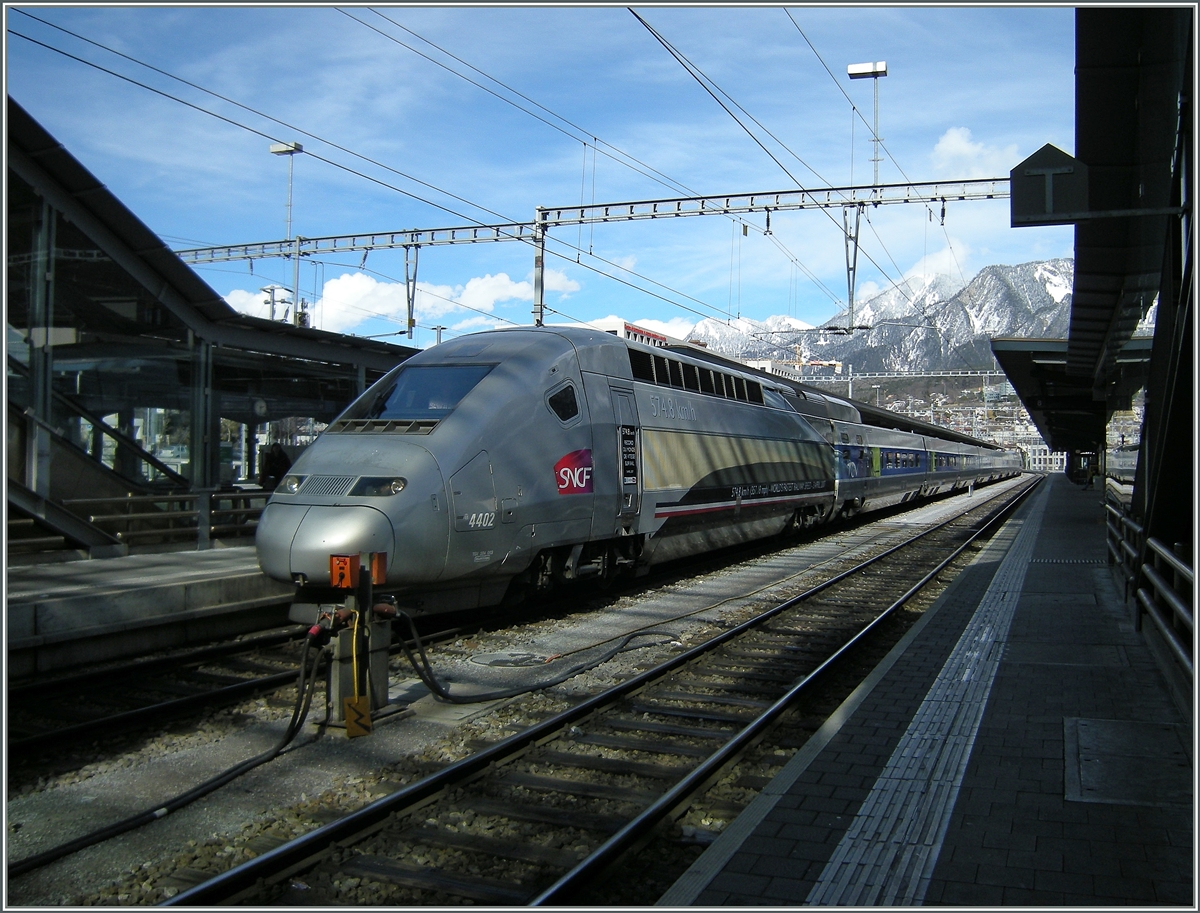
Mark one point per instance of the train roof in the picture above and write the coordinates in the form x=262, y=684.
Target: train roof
x=867, y=414
x=814, y=401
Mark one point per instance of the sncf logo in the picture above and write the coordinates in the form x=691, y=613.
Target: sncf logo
x=573, y=473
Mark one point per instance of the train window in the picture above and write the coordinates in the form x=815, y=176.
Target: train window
x=858, y=438
x=888, y=460
x=676, y=373
x=661, y=376
x=418, y=392
x=845, y=438
x=739, y=388
x=754, y=392
x=706, y=382
x=642, y=365
x=775, y=400
x=723, y=389
x=691, y=377
x=563, y=403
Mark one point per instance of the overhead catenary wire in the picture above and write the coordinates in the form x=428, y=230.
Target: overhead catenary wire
x=705, y=83
x=320, y=139
x=373, y=179
x=639, y=166
x=882, y=145
x=359, y=173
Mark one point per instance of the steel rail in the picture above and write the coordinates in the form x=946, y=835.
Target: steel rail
x=142, y=666
x=130, y=718
x=563, y=889
x=291, y=856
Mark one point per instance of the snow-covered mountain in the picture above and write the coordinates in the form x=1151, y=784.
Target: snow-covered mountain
x=933, y=325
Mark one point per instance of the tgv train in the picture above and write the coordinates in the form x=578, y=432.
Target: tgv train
x=506, y=461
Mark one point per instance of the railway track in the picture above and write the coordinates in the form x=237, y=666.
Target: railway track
x=121, y=698
x=46, y=714
x=101, y=703
x=536, y=817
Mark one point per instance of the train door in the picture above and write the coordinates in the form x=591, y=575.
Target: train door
x=628, y=456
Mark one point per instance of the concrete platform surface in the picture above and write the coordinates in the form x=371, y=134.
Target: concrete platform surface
x=1019, y=747
x=61, y=614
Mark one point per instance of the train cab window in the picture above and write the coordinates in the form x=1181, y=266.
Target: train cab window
x=706, y=382
x=563, y=403
x=754, y=392
x=642, y=365
x=676, y=373
x=719, y=383
x=691, y=377
x=418, y=392
x=739, y=388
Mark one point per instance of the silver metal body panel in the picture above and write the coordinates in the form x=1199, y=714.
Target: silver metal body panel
x=556, y=447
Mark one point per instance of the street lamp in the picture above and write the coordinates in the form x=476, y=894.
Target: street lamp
x=871, y=71
x=290, y=150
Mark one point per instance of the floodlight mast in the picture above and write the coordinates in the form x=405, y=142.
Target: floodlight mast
x=870, y=71
x=290, y=150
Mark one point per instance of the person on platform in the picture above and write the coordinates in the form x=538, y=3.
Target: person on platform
x=275, y=465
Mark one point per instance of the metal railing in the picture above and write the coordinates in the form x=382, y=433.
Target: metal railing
x=1124, y=539
x=1162, y=581
x=202, y=515
x=1167, y=600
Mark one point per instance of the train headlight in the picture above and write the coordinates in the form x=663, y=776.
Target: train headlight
x=289, y=485
x=376, y=487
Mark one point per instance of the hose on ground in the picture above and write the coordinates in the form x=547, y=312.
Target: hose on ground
x=428, y=678
x=305, y=686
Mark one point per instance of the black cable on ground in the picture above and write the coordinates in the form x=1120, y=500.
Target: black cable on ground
x=305, y=685
x=426, y=674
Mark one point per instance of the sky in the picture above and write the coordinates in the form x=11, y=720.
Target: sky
x=394, y=137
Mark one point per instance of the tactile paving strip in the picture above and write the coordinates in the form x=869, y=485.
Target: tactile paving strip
x=889, y=852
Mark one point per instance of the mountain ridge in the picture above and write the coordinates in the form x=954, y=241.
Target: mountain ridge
x=935, y=324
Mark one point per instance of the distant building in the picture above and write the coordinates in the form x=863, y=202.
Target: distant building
x=1041, y=459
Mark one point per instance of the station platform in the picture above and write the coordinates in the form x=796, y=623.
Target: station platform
x=63, y=614
x=1019, y=747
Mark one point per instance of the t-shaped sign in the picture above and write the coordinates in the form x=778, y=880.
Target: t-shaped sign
x=1048, y=188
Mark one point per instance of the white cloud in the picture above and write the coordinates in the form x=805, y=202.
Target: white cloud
x=252, y=303
x=483, y=292
x=348, y=300
x=479, y=322
x=866, y=291
x=679, y=327
x=555, y=280
x=956, y=156
x=945, y=262
x=354, y=298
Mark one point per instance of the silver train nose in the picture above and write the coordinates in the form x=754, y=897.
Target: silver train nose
x=298, y=533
